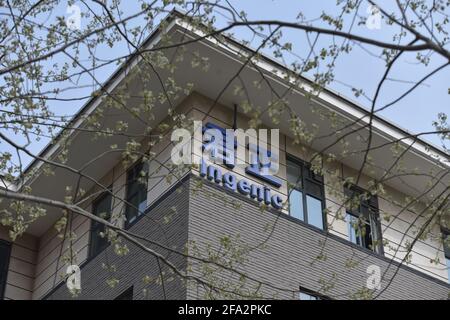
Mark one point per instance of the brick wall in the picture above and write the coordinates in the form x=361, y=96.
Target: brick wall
x=133, y=267
x=286, y=261
x=283, y=259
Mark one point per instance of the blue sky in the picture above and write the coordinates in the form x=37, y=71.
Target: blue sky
x=358, y=69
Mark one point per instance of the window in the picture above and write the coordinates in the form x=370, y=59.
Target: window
x=446, y=236
x=306, y=193
x=5, y=250
x=101, y=208
x=363, y=220
x=308, y=295
x=126, y=295
x=136, y=192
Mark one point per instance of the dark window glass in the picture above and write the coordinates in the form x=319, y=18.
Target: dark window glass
x=126, y=295
x=101, y=208
x=136, y=192
x=359, y=231
x=363, y=222
x=5, y=250
x=446, y=236
x=306, y=194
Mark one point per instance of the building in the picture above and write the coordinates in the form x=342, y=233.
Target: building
x=299, y=251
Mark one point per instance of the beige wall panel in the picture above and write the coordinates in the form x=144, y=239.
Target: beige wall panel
x=16, y=293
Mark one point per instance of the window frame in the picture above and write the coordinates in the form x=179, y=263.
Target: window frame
x=358, y=236
x=139, y=162
x=311, y=293
x=446, y=234
x=373, y=217
x=97, y=200
x=4, y=273
x=308, y=177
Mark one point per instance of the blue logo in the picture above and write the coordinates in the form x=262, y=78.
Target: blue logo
x=225, y=153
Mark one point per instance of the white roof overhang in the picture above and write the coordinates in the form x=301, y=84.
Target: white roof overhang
x=224, y=63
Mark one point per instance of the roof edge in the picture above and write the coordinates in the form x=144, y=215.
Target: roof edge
x=176, y=13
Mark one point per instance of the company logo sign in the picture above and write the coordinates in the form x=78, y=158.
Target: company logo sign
x=231, y=148
x=262, y=162
x=243, y=186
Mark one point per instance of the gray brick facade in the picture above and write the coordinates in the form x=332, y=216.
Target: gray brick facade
x=284, y=255
x=166, y=223
x=289, y=257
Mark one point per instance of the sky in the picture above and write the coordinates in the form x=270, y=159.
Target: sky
x=360, y=69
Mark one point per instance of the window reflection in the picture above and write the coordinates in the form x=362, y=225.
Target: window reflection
x=308, y=297
x=315, y=214
x=296, y=204
x=136, y=192
x=101, y=208
x=306, y=196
